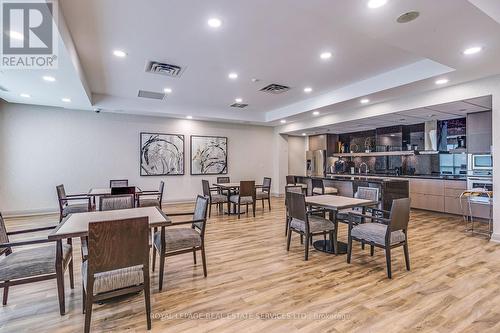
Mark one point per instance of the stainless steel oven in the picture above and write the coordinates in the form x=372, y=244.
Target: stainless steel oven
x=479, y=182
x=481, y=162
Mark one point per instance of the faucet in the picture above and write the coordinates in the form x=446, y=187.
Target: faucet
x=366, y=167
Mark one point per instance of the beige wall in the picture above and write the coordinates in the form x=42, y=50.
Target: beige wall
x=297, y=155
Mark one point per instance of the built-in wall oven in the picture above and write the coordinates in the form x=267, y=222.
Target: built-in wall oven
x=481, y=162
x=480, y=182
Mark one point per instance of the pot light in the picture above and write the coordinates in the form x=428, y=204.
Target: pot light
x=25, y=95
x=442, y=81
x=283, y=121
x=308, y=90
x=120, y=53
x=167, y=90
x=189, y=117
x=16, y=35
x=316, y=113
x=49, y=78
x=364, y=101
x=238, y=100
x=304, y=134
x=472, y=50
x=325, y=55
x=214, y=22
x=232, y=76
x=66, y=100
x=376, y=3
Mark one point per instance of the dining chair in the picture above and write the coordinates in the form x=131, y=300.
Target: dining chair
x=223, y=180
x=386, y=233
x=213, y=198
x=151, y=198
x=118, y=183
x=246, y=196
x=113, y=202
x=123, y=190
x=264, y=192
x=366, y=193
x=33, y=264
x=290, y=180
x=306, y=224
x=289, y=188
x=319, y=187
x=174, y=241
x=82, y=203
x=108, y=272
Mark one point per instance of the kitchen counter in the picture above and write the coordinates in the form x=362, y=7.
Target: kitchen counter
x=394, y=177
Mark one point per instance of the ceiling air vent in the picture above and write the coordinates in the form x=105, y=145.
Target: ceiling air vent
x=150, y=94
x=162, y=68
x=3, y=89
x=274, y=88
x=238, y=105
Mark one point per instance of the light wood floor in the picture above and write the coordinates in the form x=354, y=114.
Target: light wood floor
x=454, y=285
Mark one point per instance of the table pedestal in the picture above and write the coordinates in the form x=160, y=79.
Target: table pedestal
x=320, y=245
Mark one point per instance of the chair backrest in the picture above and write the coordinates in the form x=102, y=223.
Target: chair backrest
x=317, y=183
x=118, y=244
x=247, y=188
x=113, y=202
x=206, y=187
x=290, y=180
x=223, y=180
x=4, y=238
x=160, y=190
x=400, y=214
x=61, y=195
x=123, y=190
x=118, y=183
x=291, y=189
x=367, y=193
x=297, y=206
x=200, y=213
x=266, y=184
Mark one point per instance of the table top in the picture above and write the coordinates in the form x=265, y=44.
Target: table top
x=337, y=202
x=77, y=224
x=105, y=191
x=231, y=185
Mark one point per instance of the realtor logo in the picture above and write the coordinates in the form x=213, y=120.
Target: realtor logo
x=28, y=34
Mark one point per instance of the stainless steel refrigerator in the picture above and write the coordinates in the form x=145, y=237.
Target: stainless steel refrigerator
x=315, y=163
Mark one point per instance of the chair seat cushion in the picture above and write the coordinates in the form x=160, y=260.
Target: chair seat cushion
x=375, y=232
x=316, y=224
x=115, y=279
x=178, y=239
x=219, y=198
x=149, y=203
x=32, y=262
x=328, y=190
x=262, y=195
x=244, y=200
x=76, y=208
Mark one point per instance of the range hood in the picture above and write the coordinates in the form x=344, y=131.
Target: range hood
x=430, y=138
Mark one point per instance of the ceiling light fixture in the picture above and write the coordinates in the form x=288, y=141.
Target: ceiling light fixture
x=232, y=76
x=16, y=35
x=214, y=22
x=307, y=90
x=283, y=121
x=304, y=134
x=119, y=53
x=376, y=3
x=238, y=100
x=442, y=81
x=49, y=78
x=189, y=117
x=167, y=90
x=66, y=100
x=325, y=55
x=472, y=50
x=25, y=95
x=364, y=101
x=316, y=113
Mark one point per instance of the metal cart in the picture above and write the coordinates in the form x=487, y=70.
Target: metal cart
x=477, y=196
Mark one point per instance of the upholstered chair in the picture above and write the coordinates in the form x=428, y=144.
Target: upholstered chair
x=213, y=198
x=289, y=188
x=72, y=203
x=151, y=198
x=113, y=202
x=246, y=196
x=264, y=193
x=319, y=187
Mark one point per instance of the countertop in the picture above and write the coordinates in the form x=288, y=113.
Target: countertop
x=374, y=175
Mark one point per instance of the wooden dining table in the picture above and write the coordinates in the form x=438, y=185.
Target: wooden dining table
x=77, y=225
x=334, y=204
x=231, y=188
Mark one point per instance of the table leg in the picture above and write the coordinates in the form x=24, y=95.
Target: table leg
x=60, y=277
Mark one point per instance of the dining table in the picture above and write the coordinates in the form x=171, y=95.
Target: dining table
x=77, y=226
x=231, y=188
x=334, y=204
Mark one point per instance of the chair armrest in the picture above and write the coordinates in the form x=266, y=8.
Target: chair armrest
x=312, y=211
x=148, y=193
x=30, y=230
x=76, y=195
x=374, y=218
x=186, y=222
x=75, y=198
x=27, y=242
x=383, y=212
x=180, y=214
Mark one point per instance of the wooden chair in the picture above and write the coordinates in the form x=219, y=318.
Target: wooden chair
x=117, y=264
x=174, y=241
x=386, y=233
x=265, y=192
x=151, y=198
x=118, y=183
x=33, y=264
x=224, y=180
x=213, y=198
x=306, y=224
x=290, y=180
x=246, y=196
x=319, y=187
x=66, y=207
x=113, y=202
x=119, y=190
x=289, y=188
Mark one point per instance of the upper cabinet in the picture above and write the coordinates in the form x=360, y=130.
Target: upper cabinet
x=479, y=133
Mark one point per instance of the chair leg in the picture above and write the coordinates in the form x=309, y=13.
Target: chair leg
x=71, y=276
x=269, y=201
x=83, y=299
x=194, y=255
x=239, y=211
x=306, y=250
x=407, y=256
x=301, y=239
x=253, y=207
x=154, y=258
x=288, y=239
x=204, y=260
x=362, y=245
x=147, y=298
x=60, y=288
x=162, y=269
x=246, y=208
x=209, y=210
x=5, y=294
x=88, y=309
x=349, y=248
x=286, y=225
x=372, y=250
x=262, y=204
x=388, y=259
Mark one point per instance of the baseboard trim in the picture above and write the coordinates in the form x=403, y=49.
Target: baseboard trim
x=495, y=238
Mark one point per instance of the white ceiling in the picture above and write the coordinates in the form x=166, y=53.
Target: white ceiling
x=275, y=41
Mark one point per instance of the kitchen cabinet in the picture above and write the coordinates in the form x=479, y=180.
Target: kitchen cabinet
x=427, y=194
x=452, y=191
x=479, y=133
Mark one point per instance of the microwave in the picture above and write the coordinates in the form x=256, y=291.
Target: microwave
x=482, y=162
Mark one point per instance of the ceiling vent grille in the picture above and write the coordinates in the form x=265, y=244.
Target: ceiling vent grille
x=150, y=94
x=3, y=89
x=161, y=68
x=274, y=88
x=239, y=105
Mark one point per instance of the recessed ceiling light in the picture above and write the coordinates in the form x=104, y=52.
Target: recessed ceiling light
x=49, y=78
x=66, y=100
x=316, y=113
x=364, y=101
x=25, y=95
x=283, y=121
x=325, y=55
x=214, y=22
x=16, y=35
x=304, y=134
x=238, y=100
x=472, y=50
x=189, y=117
x=120, y=53
x=442, y=81
x=167, y=90
x=376, y=3
x=308, y=90
x=232, y=76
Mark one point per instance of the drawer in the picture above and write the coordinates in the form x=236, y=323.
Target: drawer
x=427, y=186
x=427, y=202
x=452, y=192
x=455, y=184
x=452, y=206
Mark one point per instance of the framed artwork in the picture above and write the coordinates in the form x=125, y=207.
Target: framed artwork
x=208, y=155
x=162, y=154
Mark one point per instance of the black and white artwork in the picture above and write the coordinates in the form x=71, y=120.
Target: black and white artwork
x=208, y=155
x=162, y=154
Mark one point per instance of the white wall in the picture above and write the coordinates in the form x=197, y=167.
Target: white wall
x=297, y=155
x=42, y=147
